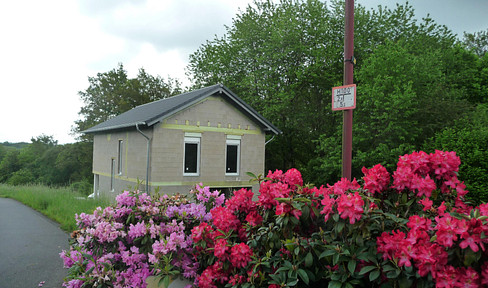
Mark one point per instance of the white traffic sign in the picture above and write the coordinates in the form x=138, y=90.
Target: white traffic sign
x=344, y=97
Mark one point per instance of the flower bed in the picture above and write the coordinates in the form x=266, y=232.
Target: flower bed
x=414, y=231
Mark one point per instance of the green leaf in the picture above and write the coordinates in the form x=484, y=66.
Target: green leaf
x=335, y=284
x=340, y=226
x=367, y=269
x=374, y=275
x=393, y=274
x=351, y=266
x=297, y=251
x=292, y=283
x=303, y=275
x=164, y=282
x=309, y=259
x=335, y=217
x=250, y=174
x=335, y=259
x=326, y=253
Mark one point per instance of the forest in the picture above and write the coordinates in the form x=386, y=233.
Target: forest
x=419, y=87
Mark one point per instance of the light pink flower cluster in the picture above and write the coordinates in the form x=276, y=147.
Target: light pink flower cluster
x=125, y=243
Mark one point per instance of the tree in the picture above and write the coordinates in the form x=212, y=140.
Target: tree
x=477, y=42
x=469, y=138
x=112, y=93
x=284, y=59
x=9, y=165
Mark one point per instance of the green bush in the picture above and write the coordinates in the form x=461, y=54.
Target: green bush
x=83, y=187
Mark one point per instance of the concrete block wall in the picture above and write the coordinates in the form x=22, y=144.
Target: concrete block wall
x=214, y=119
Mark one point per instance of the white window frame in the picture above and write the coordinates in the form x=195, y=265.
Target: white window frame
x=233, y=141
x=112, y=175
x=120, y=156
x=192, y=138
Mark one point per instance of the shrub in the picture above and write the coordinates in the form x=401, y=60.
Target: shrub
x=83, y=187
x=411, y=228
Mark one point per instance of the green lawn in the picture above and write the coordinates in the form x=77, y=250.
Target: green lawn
x=59, y=204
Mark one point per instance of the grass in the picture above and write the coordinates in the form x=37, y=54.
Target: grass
x=59, y=204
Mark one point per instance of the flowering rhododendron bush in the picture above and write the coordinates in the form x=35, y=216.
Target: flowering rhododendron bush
x=121, y=245
x=411, y=228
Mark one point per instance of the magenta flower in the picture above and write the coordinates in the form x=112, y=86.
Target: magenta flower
x=350, y=206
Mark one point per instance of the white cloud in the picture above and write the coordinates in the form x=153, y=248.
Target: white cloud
x=49, y=48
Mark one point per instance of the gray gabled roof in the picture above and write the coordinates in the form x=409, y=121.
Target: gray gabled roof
x=154, y=112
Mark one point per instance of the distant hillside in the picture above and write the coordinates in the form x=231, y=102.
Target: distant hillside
x=18, y=145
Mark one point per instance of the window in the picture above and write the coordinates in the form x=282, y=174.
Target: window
x=112, y=175
x=96, y=185
x=191, y=165
x=232, y=156
x=119, y=159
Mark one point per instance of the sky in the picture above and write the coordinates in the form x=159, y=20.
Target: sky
x=49, y=48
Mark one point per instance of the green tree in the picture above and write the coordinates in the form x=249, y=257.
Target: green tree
x=112, y=93
x=477, y=42
x=284, y=59
x=9, y=165
x=469, y=138
x=75, y=162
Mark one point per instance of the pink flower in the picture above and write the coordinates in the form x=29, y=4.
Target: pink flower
x=345, y=185
x=199, y=232
x=293, y=178
x=269, y=191
x=74, y=284
x=328, y=203
x=350, y=205
x=427, y=203
x=376, y=179
x=468, y=278
x=241, y=201
x=221, y=248
x=240, y=255
x=484, y=274
x=224, y=219
x=277, y=175
x=137, y=230
x=254, y=218
x=416, y=222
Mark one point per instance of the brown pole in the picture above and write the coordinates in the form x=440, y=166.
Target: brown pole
x=348, y=79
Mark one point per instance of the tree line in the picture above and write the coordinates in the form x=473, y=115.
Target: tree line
x=44, y=161
x=418, y=86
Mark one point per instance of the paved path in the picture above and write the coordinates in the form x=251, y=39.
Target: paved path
x=30, y=245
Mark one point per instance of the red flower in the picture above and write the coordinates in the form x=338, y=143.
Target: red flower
x=350, y=205
x=344, y=185
x=269, y=191
x=241, y=201
x=240, y=255
x=198, y=232
x=224, y=219
x=221, y=248
x=293, y=177
x=328, y=203
x=427, y=203
x=254, y=218
x=376, y=179
x=416, y=222
x=468, y=278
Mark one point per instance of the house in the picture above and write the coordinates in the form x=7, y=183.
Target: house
x=209, y=135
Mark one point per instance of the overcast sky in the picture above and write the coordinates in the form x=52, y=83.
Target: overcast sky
x=49, y=48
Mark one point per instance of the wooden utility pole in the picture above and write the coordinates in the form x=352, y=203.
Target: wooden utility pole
x=348, y=79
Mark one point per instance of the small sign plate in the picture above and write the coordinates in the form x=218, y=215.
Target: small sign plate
x=344, y=97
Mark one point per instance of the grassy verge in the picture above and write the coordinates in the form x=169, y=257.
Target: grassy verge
x=59, y=204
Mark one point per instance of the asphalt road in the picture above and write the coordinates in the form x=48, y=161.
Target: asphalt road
x=30, y=245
